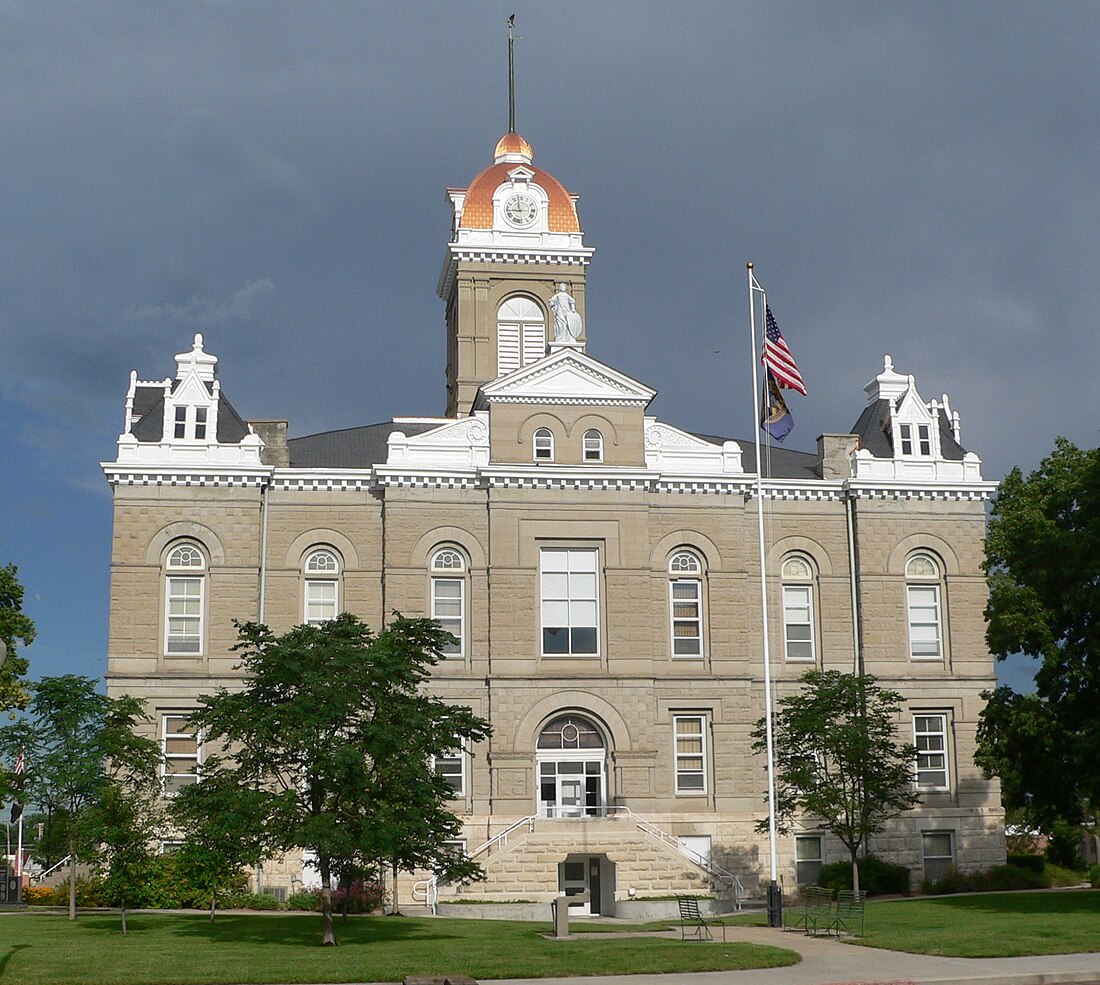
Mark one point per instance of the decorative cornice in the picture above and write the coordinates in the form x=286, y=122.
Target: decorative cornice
x=124, y=476
x=977, y=492
x=570, y=257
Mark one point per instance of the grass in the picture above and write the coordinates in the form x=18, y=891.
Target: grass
x=174, y=949
x=990, y=925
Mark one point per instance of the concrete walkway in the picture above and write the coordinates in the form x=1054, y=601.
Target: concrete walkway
x=828, y=961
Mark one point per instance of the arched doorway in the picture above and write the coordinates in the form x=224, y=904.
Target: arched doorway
x=571, y=756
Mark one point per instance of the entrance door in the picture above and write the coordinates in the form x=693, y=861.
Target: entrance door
x=570, y=797
x=571, y=788
x=581, y=874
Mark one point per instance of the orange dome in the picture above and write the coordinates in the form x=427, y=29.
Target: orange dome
x=513, y=143
x=477, y=213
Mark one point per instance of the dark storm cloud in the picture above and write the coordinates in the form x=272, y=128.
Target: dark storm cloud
x=917, y=179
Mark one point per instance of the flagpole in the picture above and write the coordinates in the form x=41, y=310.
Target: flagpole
x=775, y=899
x=19, y=850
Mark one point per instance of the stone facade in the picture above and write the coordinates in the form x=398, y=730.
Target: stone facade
x=885, y=524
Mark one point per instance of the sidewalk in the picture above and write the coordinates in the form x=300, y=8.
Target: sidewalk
x=830, y=962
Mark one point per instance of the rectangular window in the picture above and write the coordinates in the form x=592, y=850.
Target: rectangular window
x=930, y=738
x=182, y=749
x=925, y=640
x=687, y=623
x=184, y=612
x=180, y=422
x=924, y=437
x=570, y=602
x=690, y=738
x=939, y=854
x=906, y=432
x=200, y=423
x=798, y=622
x=322, y=600
x=452, y=768
x=449, y=609
x=808, y=858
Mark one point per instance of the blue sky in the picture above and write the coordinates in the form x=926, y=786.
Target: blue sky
x=911, y=178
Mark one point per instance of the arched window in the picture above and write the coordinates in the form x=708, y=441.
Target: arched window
x=798, y=574
x=322, y=586
x=685, y=599
x=923, y=576
x=448, y=577
x=521, y=334
x=185, y=600
x=544, y=445
x=572, y=757
x=593, y=446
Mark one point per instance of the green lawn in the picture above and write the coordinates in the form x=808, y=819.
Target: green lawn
x=988, y=925
x=167, y=949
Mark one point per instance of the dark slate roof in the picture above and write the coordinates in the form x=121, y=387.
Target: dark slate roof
x=350, y=448
x=149, y=408
x=874, y=436
x=784, y=463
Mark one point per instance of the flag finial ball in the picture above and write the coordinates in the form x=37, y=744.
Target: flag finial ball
x=749, y=265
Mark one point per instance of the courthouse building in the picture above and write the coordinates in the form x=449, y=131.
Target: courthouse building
x=598, y=566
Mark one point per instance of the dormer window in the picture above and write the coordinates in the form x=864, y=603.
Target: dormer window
x=189, y=422
x=544, y=445
x=200, y=423
x=181, y=422
x=923, y=438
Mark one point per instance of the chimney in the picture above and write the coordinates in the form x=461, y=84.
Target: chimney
x=275, y=451
x=835, y=452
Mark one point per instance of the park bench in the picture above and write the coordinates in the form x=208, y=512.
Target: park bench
x=815, y=910
x=848, y=915
x=692, y=920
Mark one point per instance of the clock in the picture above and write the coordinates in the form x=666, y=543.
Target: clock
x=521, y=210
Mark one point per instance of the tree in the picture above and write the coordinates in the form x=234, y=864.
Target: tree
x=1043, y=563
x=15, y=627
x=78, y=743
x=323, y=714
x=838, y=758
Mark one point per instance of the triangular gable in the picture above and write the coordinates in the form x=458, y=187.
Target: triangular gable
x=567, y=376
x=910, y=407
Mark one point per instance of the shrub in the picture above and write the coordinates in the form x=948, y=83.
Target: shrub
x=1026, y=860
x=89, y=892
x=38, y=896
x=362, y=896
x=306, y=899
x=876, y=877
x=1094, y=876
x=997, y=879
x=1057, y=876
x=238, y=900
x=1064, y=845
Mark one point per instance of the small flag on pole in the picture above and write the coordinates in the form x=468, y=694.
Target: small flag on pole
x=777, y=357
x=17, y=806
x=775, y=416
x=19, y=764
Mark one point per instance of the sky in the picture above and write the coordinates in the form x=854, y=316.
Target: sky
x=917, y=179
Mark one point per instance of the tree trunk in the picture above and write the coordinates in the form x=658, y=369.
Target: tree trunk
x=855, y=873
x=328, y=937
x=72, y=883
x=394, y=911
x=213, y=902
x=123, y=908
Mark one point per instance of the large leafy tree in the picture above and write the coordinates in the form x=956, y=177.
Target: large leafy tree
x=324, y=715
x=81, y=748
x=16, y=627
x=838, y=758
x=1043, y=562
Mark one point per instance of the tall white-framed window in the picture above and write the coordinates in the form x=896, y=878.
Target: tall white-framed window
x=448, y=568
x=930, y=738
x=938, y=852
x=570, y=601
x=189, y=422
x=593, y=445
x=182, y=748
x=797, y=573
x=809, y=856
x=685, y=601
x=543, y=445
x=521, y=334
x=322, y=586
x=916, y=439
x=689, y=736
x=184, y=600
x=923, y=600
x=452, y=767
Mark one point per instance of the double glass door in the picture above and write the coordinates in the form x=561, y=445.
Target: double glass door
x=571, y=788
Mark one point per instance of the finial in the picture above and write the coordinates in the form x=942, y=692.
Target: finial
x=749, y=265
x=511, y=77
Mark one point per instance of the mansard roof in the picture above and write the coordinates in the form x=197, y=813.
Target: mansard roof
x=349, y=448
x=149, y=415
x=873, y=431
x=784, y=463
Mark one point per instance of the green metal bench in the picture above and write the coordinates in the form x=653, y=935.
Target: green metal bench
x=816, y=909
x=848, y=917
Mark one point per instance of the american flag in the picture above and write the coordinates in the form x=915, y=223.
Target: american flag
x=777, y=357
x=19, y=766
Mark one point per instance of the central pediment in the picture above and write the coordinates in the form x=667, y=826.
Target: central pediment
x=567, y=376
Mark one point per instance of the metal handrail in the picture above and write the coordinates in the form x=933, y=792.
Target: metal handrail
x=38, y=877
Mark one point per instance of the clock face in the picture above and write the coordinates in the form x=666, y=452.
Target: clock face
x=521, y=210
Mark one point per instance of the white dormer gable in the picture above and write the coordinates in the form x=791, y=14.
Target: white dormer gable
x=914, y=426
x=566, y=376
x=191, y=406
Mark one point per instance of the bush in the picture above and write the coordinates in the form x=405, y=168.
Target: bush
x=306, y=899
x=876, y=877
x=996, y=879
x=1025, y=860
x=237, y=900
x=89, y=892
x=1094, y=876
x=363, y=897
x=1064, y=845
x=38, y=896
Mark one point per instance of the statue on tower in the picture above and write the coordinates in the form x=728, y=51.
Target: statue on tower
x=567, y=321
